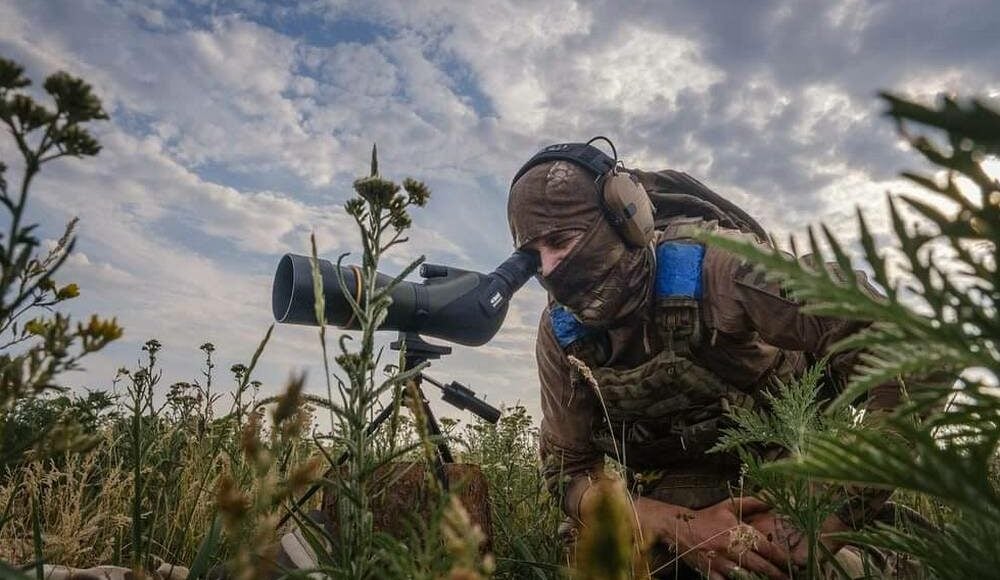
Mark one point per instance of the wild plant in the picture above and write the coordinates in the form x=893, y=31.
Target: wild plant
x=275, y=475
x=81, y=508
x=607, y=547
x=141, y=437
x=380, y=211
x=92, y=412
x=786, y=427
x=34, y=352
x=464, y=541
x=245, y=392
x=935, y=326
x=163, y=461
x=205, y=390
x=525, y=517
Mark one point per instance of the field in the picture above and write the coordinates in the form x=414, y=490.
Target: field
x=184, y=462
x=199, y=475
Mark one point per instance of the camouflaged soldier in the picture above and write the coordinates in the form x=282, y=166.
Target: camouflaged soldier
x=674, y=333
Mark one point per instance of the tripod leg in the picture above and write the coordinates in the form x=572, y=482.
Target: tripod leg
x=432, y=425
x=442, y=454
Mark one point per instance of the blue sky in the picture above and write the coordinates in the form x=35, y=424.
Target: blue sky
x=237, y=126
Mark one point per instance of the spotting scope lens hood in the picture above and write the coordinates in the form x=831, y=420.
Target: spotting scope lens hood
x=457, y=305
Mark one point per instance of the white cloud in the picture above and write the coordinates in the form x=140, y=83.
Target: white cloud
x=827, y=106
x=851, y=18
x=641, y=71
x=759, y=103
x=356, y=69
x=232, y=138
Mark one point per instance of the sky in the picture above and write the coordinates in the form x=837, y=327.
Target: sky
x=236, y=128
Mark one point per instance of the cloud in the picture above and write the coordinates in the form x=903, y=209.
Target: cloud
x=238, y=126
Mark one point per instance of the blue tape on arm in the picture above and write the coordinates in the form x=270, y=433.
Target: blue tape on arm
x=565, y=326
x=678, y=269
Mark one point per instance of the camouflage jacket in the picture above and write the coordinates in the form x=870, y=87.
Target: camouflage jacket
x=750, y=332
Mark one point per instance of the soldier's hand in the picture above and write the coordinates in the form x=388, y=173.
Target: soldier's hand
x=779, y=531
x=715, y=541
x=790, y=540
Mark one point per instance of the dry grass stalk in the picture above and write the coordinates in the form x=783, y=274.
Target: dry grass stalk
x=82, y=515
x=610, y=547
x=463, y=539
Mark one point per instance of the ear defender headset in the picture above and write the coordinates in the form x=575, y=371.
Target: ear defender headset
x=623, y=200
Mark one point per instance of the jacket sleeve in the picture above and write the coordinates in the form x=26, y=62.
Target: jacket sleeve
x=745, y=302
x=569, y=459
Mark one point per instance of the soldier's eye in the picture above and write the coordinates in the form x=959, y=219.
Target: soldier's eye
x=560, y=240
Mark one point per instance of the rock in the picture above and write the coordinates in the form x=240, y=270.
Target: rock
x=400, y=492
x=95, y=573
x=164, y=572
x=171, y=572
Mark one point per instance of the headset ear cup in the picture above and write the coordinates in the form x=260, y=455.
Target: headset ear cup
x=630, y=208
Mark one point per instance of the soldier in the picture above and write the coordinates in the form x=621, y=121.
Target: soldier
x=674, y=333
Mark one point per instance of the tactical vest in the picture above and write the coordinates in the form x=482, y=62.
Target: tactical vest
x=669, y=409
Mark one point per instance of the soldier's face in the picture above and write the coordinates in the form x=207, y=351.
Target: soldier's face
x=554, y=247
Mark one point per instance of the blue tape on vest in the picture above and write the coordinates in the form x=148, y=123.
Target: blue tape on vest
x=565, y=326
x=678, y=269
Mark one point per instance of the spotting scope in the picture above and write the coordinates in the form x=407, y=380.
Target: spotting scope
x=457, y=305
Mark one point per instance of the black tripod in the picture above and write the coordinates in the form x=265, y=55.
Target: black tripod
x=418, y=351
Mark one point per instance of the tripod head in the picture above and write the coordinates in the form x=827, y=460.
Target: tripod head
x=454, y=393
x=417, y=349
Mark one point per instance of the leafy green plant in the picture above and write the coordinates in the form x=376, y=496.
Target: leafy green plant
x=787, y=427
x=140, y=407
x=380, y=211
x=525, y=516
x=30, y=417
x=34, y=352
x=50, y=344
x=936, y=326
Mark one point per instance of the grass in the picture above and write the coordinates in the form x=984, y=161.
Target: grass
x=89, y=498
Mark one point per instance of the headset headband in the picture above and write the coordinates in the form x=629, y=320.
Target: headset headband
x=583, y=154
x=623, y=201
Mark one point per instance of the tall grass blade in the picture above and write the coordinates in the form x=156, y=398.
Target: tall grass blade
x=8, y=573
x=36, y=537
x=207, y=550
x=6, y=511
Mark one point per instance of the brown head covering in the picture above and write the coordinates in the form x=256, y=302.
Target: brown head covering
x=551, y=197
x=601, y=280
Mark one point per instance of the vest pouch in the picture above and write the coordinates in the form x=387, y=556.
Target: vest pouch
x=694, y=486
x=668, y=441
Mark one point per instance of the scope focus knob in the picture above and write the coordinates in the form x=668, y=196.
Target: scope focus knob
x=433, y=271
